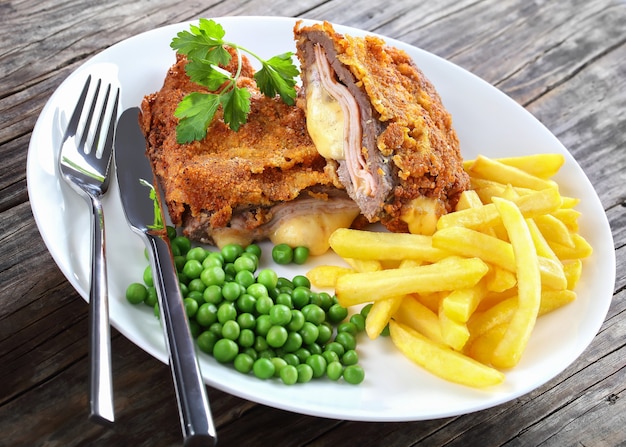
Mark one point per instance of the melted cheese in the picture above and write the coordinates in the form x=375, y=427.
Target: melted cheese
x=324, y=120
x=421, y=214
x=312, y=230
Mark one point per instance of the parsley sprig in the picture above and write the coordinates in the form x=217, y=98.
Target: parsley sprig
x=204, y=45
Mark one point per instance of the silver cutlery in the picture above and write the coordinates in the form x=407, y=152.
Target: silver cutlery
x=136, y=182
x=84, y=163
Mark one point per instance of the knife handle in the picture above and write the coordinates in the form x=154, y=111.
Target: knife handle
x=195, y=415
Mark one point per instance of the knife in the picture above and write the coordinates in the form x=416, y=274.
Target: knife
x=135, y=178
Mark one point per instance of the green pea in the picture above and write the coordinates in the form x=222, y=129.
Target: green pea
x=315, y=348
x=350, y=357
x=348, y=327
x=317, y=364
x=225, y=350
x=231, y=252
x=300, y=255
x=171, y=232
x=268, y=277
x=231, y=330
x=336, y=347
x=263, y=368
x=245, y=278
x=206, y=341
x=179, y=262
x=284, y=283
x=263, y=305
x=293, y=342
x=246, y=320
x=309, y=332
x=152, y=297
x=197, y=253
x=206, y=314
x=297, y=320
x=136, y=293
x=301, y=281
x=330, y=356
x=337, y=313
x=213, y=259
x=257, y=290
x=346, y=339
x=226, y=312
x=213, y=276
x=301, y=296
x=334, y=370
x=365, y=310
x=191, y=307
x=325, y=334
x=279, y=364
x=231, y=291
x=283, y=298
x=147, y=276
x=280, y=314
x=263, y=325
x=282, y=254
x=291, y=359
x=196, y=285
x=314, y=314
x=243, y=363
x=303, y=354
x=305, y=373
x=182, y=243
x=353, y=374
x=359, y=322
x=260, y=344
x=246, y=303
x=213, y=294
x=245, y=263
x=192, y=269
x=289, y=374
x=254, y=249
x=246, y=338
x=276, y=336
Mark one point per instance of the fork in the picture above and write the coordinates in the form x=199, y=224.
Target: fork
x=84, y=163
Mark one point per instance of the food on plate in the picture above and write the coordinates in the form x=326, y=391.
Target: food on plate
x=474, y=289
x=265, y=180
x=373, y=112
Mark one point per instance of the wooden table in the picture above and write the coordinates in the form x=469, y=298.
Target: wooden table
x=561, y=60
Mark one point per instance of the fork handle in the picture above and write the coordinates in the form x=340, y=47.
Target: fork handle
x=195, y=415
x=100, y=375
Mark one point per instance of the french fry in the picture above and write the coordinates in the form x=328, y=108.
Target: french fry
x=371, y=245
x=509, y=351
x=472, y=243
x=573, y=270
x=531, y=205
x=468, y=199
x=492, y=169
x=379, y=315
x=414, y=314
x=554, y=299
x=460, y=304
x=581, y=248
x=364, y=265
x=500, y=280
x=325, y=276
x=454, y=333
x=482, y=348
x=554, y=230
x=543, y=166
x=441, y=360
x=448, y=274
x=569, y=217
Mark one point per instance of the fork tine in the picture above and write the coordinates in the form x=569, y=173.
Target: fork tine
x=87, y=127
x=107, y=149
x=72, y=126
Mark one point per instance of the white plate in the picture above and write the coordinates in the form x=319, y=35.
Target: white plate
x=487, y=122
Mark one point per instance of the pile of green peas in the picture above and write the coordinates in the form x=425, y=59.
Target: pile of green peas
x=260, y=323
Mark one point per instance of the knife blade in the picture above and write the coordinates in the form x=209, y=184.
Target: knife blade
x=133, y=171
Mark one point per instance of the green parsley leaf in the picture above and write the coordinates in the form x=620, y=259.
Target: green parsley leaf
x=236, y=104
x=195, y=112
x=205, y=48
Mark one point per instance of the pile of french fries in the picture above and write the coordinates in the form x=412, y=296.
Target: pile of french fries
x=462, y=302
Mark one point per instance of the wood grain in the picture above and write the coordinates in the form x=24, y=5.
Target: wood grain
x=562, y=60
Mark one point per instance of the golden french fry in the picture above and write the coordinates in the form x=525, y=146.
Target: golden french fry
x=459, y=304
x=492, y=169
x=541, y=165
x=581, y=248
x=509, y=351
x=500, y=280
x=569, y=217
x=499, y=313
x=364, y=265
x=325, y=276
x=379, y=315
x=371, y=245
x=471, y=243
x=415, y=315
x=541, y=245
x=482, y=348
x=448, y=274
x=454, y=333
x=468, y=199
x=573, y=270
x=531, y=205
x=441, y=360
x=554, y=230
x=553, y=299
